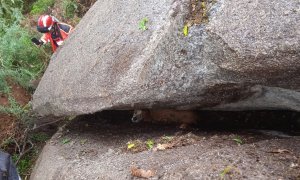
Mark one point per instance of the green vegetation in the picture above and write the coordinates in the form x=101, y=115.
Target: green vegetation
x=20, y=60
x=41, y=6
x=66, y=141
x=20, y=63
x=39, y=137
x=238, y=140
x=14, y=108
x=142, y=24
x=150, y=143
x=25, y=164
x=226, y=171
x=4, y=88
x=9, y=11
x=70, y=8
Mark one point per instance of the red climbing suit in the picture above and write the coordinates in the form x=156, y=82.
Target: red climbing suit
x=54, y=31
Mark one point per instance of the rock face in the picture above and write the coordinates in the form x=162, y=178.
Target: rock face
x=98, y=151
x=238, y=55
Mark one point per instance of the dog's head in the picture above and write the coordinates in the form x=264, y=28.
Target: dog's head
x=137, y=116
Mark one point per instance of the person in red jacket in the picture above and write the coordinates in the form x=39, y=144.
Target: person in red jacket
x=54, y=31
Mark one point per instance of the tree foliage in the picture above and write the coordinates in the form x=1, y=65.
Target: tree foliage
x=10, y=13
x=20, y=60
x=41, y=6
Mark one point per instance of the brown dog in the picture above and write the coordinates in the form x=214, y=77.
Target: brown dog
x=167, y=116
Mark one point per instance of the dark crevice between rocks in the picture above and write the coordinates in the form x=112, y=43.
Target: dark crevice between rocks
x=287, y=121
x=284, y=121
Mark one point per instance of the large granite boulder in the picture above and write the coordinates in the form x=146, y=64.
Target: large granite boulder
x=237, y=55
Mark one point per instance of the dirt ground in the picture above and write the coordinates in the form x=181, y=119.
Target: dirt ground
x=92, y=147
x=20, y=94
x=9, y=126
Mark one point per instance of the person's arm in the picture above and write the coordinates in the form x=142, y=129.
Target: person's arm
x=65, y=27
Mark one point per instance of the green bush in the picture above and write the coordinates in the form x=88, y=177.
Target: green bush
x=20, y=59
x=14, y=108
x=27, y=6
x=4, y=88
x=25, y=163
x=41, y=6
x=70, y=8
x=8, y=7
x=10, y=13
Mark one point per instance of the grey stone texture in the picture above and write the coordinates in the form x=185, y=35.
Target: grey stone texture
x=98, y=151
x=245, y=57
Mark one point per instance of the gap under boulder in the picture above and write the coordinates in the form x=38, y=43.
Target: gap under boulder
x=107, y=145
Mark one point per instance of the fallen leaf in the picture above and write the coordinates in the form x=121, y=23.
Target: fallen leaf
x=130, y=145
x=141, y=172
x=136, y=146
x=185, y=30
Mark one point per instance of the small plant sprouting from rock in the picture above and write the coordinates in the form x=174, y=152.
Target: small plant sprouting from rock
x=66, y=141
x=150, y=143
x=143, y=23
x=40, y=137
x=238, y=140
